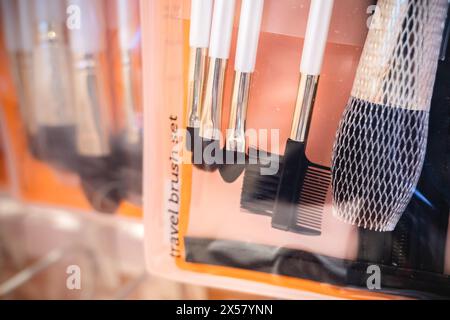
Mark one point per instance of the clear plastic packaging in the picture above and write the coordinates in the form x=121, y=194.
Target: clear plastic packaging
x=200, y=228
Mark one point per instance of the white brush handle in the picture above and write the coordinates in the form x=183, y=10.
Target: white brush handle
x=201, y=15
x=316, y=36
x=248, y=37
x=50, y=11
x=8, y=20
x=26, y=25
x=127, y=17
x=222, y=29
x=90, y=38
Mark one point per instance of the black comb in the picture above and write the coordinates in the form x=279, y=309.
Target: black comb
x=302, y=192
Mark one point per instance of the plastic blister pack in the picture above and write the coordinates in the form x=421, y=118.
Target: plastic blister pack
x=242, y=187
x=72, y=105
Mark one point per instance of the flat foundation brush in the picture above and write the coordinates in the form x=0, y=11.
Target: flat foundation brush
x=246, y=52
x=200, y=26
x=381, y=141
x=304, y=185
x=208, y=155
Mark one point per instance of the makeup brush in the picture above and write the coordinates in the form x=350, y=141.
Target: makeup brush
x=303, y=184
x=381, y=141
x=17, y=29
x=98, y=167
x=219, y=52
x=52, y=86
x=130, y=144
x=200, y=26
x=26, y=75
x=246, y=51
x=259, y=191
x=418, y=240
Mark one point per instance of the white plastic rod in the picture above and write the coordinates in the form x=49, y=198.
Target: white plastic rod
x=201, y=15
x=248, y=36
x=50, y=11
x=127, y=18
x=316, y=36
x=26, y=25
x=8, y=19
x=90, y=38
x=222, y=29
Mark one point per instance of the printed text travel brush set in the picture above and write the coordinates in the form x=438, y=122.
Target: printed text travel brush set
x=354, y=188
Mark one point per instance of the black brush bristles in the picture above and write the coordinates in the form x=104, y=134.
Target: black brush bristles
x=234, y=165
x=101, y=182
x=301, y=193
x=259, y=191
x=206, y=153
x=193, y=135
x=56, y=145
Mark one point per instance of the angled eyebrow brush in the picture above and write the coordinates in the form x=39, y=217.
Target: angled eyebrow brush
x=303, y=185
x=199, y=33
x=219, y=52
x=381, y=141
x=246, y=53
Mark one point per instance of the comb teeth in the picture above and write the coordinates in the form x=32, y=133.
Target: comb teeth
x=312, y=198
x=400, y=247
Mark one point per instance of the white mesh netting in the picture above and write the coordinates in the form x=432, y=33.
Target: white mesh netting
x=381, y=140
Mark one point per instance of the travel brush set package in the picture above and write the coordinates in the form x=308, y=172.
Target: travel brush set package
x=298, y=146
x=71, y=102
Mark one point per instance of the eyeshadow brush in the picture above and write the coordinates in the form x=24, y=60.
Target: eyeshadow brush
x=98, y=166
x=18, y=35
x=199, y=34
x=211, y=119
x=246, y=53
x=52, y=86
x=130, y=140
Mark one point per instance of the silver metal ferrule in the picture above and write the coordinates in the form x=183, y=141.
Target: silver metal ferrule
x=52, y=82
x=238, y=117
x=197, y=67
x=90, y=102
x=132, y=130
x=304, y=107
x=211, y=122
